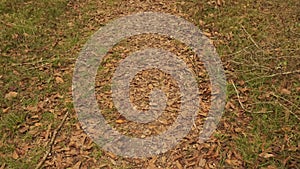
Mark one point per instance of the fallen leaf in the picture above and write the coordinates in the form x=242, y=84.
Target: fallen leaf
x=11, y=95
x=15, y=155
x=266, y=155
x=179, y=166
x=233, y=162
x=111, y=155
x=151, y=164
x=77, y=165
x=271, y=167
x=238, y=130
x=59, y=80
x=241, y=82
x=5, y=110
x=202, y=162
x=32, y=108
x=285, y=91
x=103, y=165
x=120, y=121
x=23, y=128
x=207, y=34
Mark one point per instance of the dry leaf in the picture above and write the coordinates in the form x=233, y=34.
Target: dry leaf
x=285, y=91
x=238, y=129
x=179, y=166
x=32, y=108
x=59, y=80
x=11, y=95
x=111, y=155
x=15, y=155
x=23, y=129
x=202, y=162
x=241, y=82
x=233, y=162
x=207, y=34
x=77, y=165
x=5, y=110
x=151, y=164
x=266, y=155
x=103, y=165
x=271, y=167
x=120, y=121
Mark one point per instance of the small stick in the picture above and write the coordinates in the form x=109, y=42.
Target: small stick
x=282, y=98
x=50, y=144
x=289, y=110
x=238, y=96
x=250, y=37
x=273, y=75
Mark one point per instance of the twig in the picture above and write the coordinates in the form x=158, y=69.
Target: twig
x=250, y=37
x=282, y=98
x=280, y=57
x=237, y=52
x=50, y=144
x=251, y=65
x=238, y=96
x=273, y=75
x=289, y=110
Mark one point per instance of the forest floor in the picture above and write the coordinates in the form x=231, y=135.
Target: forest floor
x=257, y=41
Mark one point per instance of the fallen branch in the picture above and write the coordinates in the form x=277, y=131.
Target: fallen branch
x=238, y=96
x=51, y=142
x=250, y=37
x=273, y=75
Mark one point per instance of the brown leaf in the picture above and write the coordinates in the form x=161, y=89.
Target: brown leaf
x=11, y=95
x=59, y=80
x=202, y=162
x=285, y=91
x=266, y=155
x=241, y=82
x=2, y=166
x=15, y=155
x=271, y=167
x=111, y=155
x=233, y=162
x=77, y=165
x=5, y=110
x=151, y=164
x=238, y=130
x=219, y=2
x=23, y=128
x=207, y=34
x=179, y=166
x=229, y=105
x=32, y=108
x=120, y=121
